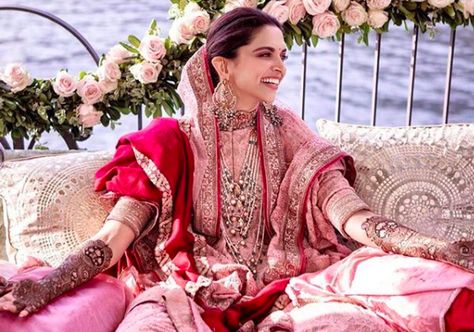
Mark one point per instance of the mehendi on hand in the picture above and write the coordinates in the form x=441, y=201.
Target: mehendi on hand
x=93, y=258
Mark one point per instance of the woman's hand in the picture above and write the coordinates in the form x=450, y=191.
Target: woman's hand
x=459, y=253
x=23, y=297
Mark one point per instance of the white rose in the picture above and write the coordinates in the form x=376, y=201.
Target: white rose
x=64, y=84
x=198, y=21
x=325, y=25
x=377, y=18
x=314, y=7
x=16, y=76
x=378, y=4
x=152, y=48
x=146, y=72
x=107, y=85
x=355, y=14
x=109, y=70
x=340, y=5
x=232, y=4
x=278, y=10
x=468, y=7
x=180, y=31
x=297, y=11
x=89, y=90
x=88, y=115
x=440, y=3
x=118, y=54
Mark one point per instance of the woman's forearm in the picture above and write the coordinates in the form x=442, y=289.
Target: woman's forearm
x=103, y=250
x=378, y=231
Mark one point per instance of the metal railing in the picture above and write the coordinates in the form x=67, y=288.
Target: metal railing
x=376, y=76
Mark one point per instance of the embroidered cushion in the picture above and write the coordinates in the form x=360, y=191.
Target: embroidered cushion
x=422, y=176
x=49, y=204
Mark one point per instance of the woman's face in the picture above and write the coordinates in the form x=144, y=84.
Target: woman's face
x=255, y=74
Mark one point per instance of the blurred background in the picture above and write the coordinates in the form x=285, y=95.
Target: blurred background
x=44, y=48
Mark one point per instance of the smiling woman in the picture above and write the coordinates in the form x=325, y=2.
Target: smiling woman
x=229, y=213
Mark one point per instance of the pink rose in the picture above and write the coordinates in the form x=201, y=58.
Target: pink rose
x=152, y=48
x=118, y=54
x=468, y=7
x=314, y=7
x=297, y=11
x=64, y=84
x=180, y=31
x=196, y=18
x=109, y=70
x=232, y=4
x=440, y=3
x=378, y=4
x=278, y=10
x=16, y=76
x=146, y=72
x=325, y=25
x=88, y=115
x=107, y=86
x=89, y=90
x=377, y=18
x=340, y=5
x=355, y=14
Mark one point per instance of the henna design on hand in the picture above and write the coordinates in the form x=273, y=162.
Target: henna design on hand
x=393, y=237
x=390, y=236
x=78, y=268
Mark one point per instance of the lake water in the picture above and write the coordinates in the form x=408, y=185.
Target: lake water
x=45, y=48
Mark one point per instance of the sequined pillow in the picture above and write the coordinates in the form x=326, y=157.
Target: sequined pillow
x=422, y=176
x=49, y=204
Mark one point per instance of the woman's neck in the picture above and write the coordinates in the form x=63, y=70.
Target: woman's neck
x=247, y=108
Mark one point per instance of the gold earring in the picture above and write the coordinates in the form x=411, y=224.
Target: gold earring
x=224, y=100
x=223, y=96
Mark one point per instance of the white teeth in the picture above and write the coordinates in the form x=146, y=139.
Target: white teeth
x=271, y=80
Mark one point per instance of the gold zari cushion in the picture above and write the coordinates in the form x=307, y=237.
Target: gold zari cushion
x=422, y=177
x=49, y=204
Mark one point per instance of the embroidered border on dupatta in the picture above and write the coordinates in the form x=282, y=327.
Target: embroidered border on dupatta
x=165, y=220
x=208, y=195
x=289, y=260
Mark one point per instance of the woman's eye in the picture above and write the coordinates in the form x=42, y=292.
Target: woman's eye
x=265, y=54
x=284, y=57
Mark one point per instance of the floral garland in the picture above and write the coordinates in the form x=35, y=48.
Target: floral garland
x=147, y=71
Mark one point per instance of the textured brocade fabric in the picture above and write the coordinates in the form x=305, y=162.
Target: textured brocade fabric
x=337, y=199
x=422, y=177
x=50, y=204
x=133, y=213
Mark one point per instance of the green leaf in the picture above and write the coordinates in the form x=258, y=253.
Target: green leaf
x=168, y=108
x=296, y=29
x=152, y=29
x=82, y=74
x=134, y=41
x=406, y=12
x=314, y=40
x=129, y=48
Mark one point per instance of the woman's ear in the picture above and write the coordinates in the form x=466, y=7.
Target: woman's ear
x=220, y=64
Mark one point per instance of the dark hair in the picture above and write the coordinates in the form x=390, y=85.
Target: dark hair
x=232, y=30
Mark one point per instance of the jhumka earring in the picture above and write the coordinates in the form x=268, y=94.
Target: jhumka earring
x=225, y=101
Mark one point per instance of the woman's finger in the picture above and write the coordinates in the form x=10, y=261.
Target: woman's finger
x=24, y=313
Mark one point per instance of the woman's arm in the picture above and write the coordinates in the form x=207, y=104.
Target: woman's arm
x=349, y=214
x=99, y=253
x=377, y=231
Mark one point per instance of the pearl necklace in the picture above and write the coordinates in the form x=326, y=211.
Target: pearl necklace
x=240, y=200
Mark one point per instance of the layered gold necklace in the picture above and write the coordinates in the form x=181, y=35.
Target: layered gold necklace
x=241, y=201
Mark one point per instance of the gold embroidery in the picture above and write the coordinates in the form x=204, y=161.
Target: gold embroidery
x=131, y=212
